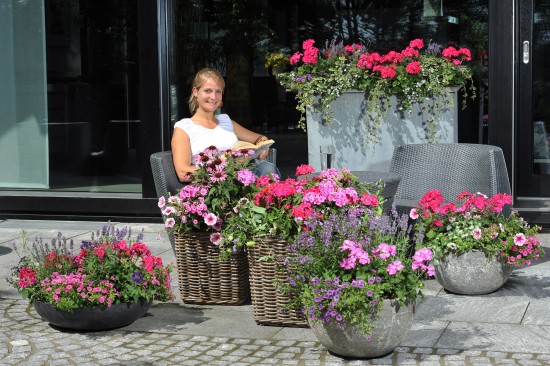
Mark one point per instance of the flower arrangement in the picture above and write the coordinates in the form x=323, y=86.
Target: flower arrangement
x=111, y=268
x=345, y=264
x=277, y=60
x=280, y=207
x=204, y=204
x=413, y=74
x=476, y=224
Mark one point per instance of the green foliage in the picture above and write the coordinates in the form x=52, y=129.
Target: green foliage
x=280, y=207
x=109, y=269
x=346, y=264
x=319, y=81
x=478, y=224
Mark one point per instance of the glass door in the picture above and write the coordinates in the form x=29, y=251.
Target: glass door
x=533, y=123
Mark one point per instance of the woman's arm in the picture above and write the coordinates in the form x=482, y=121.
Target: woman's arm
x=245, y=134
x=181, y=153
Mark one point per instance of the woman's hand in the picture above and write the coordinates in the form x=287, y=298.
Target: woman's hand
x=264, y=154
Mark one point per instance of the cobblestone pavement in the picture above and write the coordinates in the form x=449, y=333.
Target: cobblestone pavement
x=27, y=340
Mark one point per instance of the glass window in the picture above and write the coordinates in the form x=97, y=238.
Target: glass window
x=23, y=125
x=235, y=37
x=69, y=84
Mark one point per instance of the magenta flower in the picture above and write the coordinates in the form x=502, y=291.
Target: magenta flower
x=216, y=238
x=169, y=223
x=210, y=219
x=394, y=267
x=519, y=239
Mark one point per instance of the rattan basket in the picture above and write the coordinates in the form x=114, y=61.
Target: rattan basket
x=203, y=278
x=267, y=302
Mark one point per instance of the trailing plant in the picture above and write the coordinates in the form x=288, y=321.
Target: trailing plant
x=413, y=75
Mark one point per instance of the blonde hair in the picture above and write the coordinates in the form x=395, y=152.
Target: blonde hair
x=200, y=78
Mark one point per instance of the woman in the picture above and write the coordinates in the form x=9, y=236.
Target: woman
x=205, y=128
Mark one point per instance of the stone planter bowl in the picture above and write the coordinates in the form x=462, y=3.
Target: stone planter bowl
x=93, y=318
x=472, y=273
x=389, y=329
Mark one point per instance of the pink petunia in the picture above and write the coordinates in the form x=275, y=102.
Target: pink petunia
x=414, y=214
x=477, y=233
x=519, y=239
x=210, y=219
x=216, y=238
x=162, y=202
x=169, y=223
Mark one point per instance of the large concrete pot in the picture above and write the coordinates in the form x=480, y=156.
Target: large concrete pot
x=344, y=138
x=472, y=273
x=347, y=340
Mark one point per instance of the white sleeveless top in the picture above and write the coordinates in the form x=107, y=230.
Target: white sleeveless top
x=222, y=136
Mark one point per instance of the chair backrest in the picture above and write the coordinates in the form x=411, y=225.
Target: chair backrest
x=451, y=168
x=164, y=174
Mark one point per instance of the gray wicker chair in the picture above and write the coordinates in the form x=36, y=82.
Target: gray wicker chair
x=451, y=168
x=166, y=179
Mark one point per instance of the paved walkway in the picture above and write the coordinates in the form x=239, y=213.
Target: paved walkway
x=508, y=327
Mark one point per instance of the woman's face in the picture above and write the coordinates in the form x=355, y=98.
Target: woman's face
x=209, y=95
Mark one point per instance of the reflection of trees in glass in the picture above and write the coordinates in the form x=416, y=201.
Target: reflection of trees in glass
x=104, y=26
x=223, y=34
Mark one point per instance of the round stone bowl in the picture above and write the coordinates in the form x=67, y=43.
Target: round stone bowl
x=93, y=318
x=472, y=273
x=347, y=340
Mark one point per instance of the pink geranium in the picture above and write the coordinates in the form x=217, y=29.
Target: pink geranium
x=477, y=223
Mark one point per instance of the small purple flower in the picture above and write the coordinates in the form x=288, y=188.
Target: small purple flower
x=137, y=277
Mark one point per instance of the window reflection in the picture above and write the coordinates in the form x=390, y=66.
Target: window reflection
x=93, y=114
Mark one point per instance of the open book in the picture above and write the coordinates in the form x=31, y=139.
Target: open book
x=258, y=149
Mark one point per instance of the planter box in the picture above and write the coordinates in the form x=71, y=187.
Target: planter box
x=203, y=278
x=344, y=138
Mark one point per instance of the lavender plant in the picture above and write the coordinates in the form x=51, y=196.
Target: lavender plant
x=344, y=265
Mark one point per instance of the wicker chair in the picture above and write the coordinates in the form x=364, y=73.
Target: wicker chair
x=166, y=179
x=451, y=168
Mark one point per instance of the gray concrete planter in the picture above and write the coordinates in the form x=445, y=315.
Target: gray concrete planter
x=344, y=138
x=93, y=318
x=472, y=274
x=389, y=329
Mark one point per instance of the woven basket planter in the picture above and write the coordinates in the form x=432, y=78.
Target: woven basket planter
x=203, y=278
x=267, y=302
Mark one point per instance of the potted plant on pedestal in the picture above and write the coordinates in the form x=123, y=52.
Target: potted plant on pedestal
x=475, y=245
x=357, y=281
x=107, y=282
x=366, y=103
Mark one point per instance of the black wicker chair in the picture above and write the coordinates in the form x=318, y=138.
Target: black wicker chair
x=451, y=168
x=166, y=179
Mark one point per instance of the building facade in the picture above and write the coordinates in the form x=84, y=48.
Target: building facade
x=94, y=87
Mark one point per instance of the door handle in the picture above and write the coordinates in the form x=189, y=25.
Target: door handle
x=525, y=52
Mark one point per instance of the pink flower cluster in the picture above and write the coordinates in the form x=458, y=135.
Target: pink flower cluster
x=82, y=280
x=457, y=56
x=433, y=203
x=303, y=197
x=478, y=218
x=189, y=206
x=58, y=285
x=310, y=55
x=358, y=256
x=525, y=247
x=420, y=257
x=386, y=65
